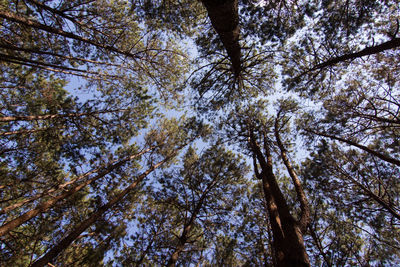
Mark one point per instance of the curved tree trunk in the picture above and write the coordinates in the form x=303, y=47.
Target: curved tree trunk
x=224, y=18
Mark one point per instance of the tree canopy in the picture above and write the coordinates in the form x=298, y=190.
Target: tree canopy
x=204, y=133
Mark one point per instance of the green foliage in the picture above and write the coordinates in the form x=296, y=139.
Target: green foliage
x=200, y=194
x=87, y=85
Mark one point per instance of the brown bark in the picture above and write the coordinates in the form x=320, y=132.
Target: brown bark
x=288, y=240
x=267, y=173
x=224, y=18
x=174, y=257
x=393, y=43
x=275, y=221
x=304, y=206
x=366, y=149
x=44, y=206
x=65, y=242
x=58, y=187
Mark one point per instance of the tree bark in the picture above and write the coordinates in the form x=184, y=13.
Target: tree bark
x=304, y=206
x=224, y=18
x=393, y=43
x=288, y=240
x=65, y=242
x=175, y=255
x=44, y=206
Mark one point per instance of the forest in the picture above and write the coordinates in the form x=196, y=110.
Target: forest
x=199, y=133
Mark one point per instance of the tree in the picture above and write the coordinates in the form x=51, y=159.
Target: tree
x=351, y=197
x=224, y=17
x=254, y=129
x=193, y=200
x=62, y=149
x=86, y=87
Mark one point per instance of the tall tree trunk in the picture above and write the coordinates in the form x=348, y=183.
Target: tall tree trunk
x=224, y=17
x=44, y=206
x=287, y=236
x=304, y=206
x=65, y=242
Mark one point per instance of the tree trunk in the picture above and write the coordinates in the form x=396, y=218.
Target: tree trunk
x=65, y=242
x=304, y=206
x=288, y=240
x=7, y=227
x=174, y=257
x=224, y=17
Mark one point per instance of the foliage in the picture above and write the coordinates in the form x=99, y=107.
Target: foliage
x=127, y=129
